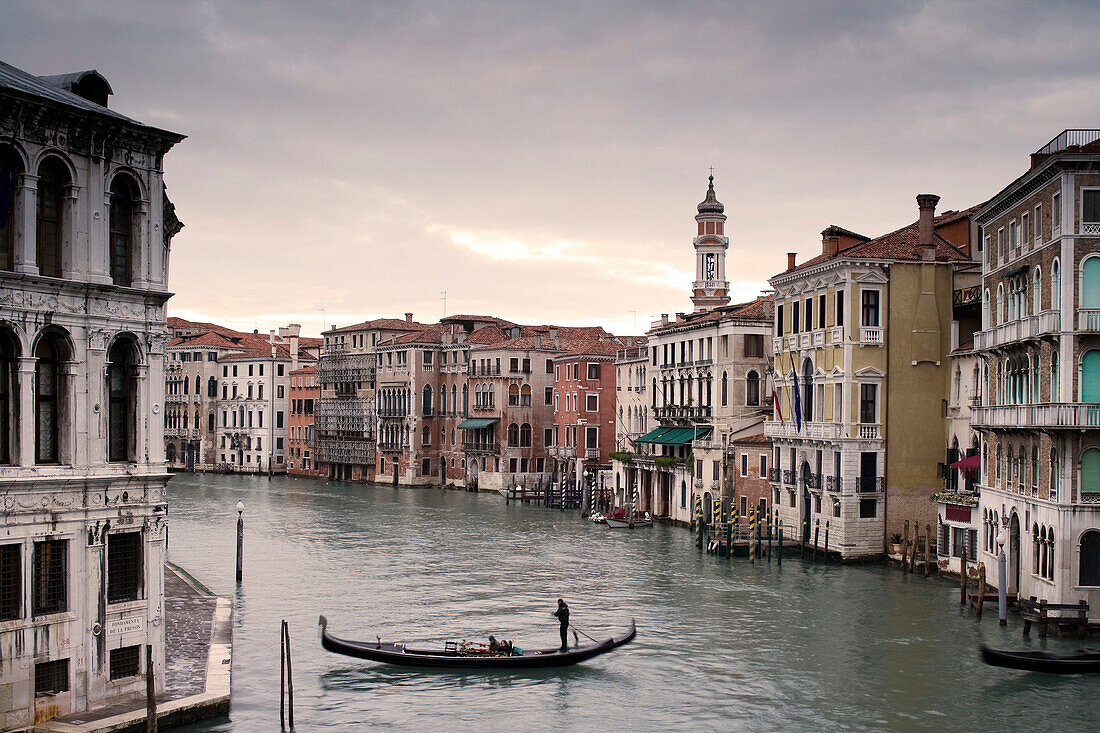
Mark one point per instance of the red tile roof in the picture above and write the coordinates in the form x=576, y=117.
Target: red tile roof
x=384, y=324
x=175, y=322
x=207, y=338
x=754, y=439
x=311, y=369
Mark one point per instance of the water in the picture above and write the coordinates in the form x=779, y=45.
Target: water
x=719, y=647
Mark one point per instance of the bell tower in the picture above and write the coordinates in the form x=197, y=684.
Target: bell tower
x=710, y=289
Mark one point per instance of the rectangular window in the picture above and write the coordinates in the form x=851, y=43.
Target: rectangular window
x=427, y=358
x=1025, y=229
x=50, y=577
x=278, y=418
x=1038, y=225
x=234, y=370
x=547, y=437
x=1056, y=211
x=744, y=465
x=11, y=582
x=868, y=508
x=794, y=317
x=279, y=392
x=754, y=345
x=593, y=370
x=548, y=398
x=809, y=314
x=278, y=370
x=278, y=445
x=125, y=662
x=779, y=320
x=51, y=678
x=1013, y=239
x=526, y=366
x=549, y=366
x=513, y=365
x=1090, y=206
x=763, y=465
x=870, y=308
x=821, y=311
x=868, y=397
x=840, y=307
x=557, y=373
x=124, y=567
x=592, y=438
x=1001, y=245
x=250, y=370
x=592, y=403
x=744, y=506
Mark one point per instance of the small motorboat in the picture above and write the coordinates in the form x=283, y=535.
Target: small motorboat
x=613, y=523
x=456, y=655
x=1043, y=661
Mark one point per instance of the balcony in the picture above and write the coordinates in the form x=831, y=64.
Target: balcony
x=792, y=342
x=176, y=398
x=484, y=406
x=871, y=336
x=774, y=475
x=683, y=412
x=476, y=371
x=777, y=345
x=810, y=430
x=1023, y=329
x=343, y=450
x=812, y=481
x=1065, y=415
x=868, y=484
x=1088, y=319
x=805, y=340
x=390, y=447
x=836, y=335
x=867, y=431
x=473, y=446
x=393, y=412
x=819, y=339
x=592, y=454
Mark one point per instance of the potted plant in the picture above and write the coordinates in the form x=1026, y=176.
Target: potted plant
x=895, y=543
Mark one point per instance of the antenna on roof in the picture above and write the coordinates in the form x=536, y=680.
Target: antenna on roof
x=443, y=297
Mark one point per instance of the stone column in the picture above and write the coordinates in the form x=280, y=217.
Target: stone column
x=25, y=217
x=72, y=431
x=139, y=246
x=143, y=450
x=23, y=450
x=71, y=269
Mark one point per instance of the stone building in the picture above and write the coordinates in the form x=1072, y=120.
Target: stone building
x=85, y=230
x=1040, y=345
x=346, y=421
x=861, y=343
x=706, y=379
x=303, y=395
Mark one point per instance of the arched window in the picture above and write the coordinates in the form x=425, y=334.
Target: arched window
x=1035, y=542
x=1053, y=473
x=725, y=387
x=525, y=395
x=752, y=388
x=452, y=436
x=986, y=323
x=1000, y=318
x=9, y=395
x=1090, y=283
x=211, y=387
x=53, y=178
x=187, y=419
x=427, y=400
x=513, y=394
x=10, y=169
x=1043, y=552
x=1021, y=464
x=49, y=392
x=454, y=399
x=465, y=399
x=999, y=456
x=1037, y=291
x=210, y=422
x=1090, y=470
x=123, y=197
x=525, y=435
x=1089, y=571
x=1050, y=553
x=513, y=435
x=426, y=436
x=1090, y=376
x=492, y=395
x=1055, y=286
x=187, y=387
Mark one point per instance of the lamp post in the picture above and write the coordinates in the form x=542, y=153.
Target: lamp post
x=1002, y=599
x=240, y=540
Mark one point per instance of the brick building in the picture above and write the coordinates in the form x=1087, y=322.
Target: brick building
x=303, y=394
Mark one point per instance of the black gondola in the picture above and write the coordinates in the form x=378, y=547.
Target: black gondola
x=401, y=654
x=1043, y=661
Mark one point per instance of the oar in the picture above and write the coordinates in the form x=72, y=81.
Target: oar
x=575, y=630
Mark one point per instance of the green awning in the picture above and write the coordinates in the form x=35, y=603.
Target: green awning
x=674, y=436
x=478, y=422
x=653, y=435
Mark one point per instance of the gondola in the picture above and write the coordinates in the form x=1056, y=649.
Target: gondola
x=1043, y=661
x=453, y=657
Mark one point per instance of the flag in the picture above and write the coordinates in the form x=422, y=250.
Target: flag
x=797, y=399
x=778, y=409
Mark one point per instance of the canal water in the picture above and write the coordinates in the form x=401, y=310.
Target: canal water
x=720, y=646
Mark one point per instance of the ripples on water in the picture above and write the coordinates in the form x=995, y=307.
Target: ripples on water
x=720, y=646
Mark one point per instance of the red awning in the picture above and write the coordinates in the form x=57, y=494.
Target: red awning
x=973, y=463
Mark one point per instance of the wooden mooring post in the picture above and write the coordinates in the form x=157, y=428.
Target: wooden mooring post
x=962, y=576
x=927, y=549
x=905, y=546
x=150, y=691
x=981, y=591
x=286, y=677
x=817, y=534
x=825, y=554
x=779, y=547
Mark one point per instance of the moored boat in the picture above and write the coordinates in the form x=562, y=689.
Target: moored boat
x=613, y=523
x=1043, y=661
x=453, y=655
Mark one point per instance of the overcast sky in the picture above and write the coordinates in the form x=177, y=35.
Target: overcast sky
x=542, y=161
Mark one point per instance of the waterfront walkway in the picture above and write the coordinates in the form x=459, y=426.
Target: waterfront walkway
x=198, y=641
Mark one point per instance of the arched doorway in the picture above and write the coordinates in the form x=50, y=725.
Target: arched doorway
x=805, y=476
x=1013, y=554
x=473, y=475
x=708, y=509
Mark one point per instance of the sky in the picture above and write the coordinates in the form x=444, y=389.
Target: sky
x=542, y=161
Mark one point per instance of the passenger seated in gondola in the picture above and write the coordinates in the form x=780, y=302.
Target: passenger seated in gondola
x=494, y=645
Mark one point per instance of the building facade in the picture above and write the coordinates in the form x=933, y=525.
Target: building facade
x=861, y=343
x=85, y=231
x=304, y=393
x=1040, y=347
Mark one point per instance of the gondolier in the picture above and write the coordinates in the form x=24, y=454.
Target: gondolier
x=563, y=616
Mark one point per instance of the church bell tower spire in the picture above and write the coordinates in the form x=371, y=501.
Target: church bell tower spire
x=710, y=289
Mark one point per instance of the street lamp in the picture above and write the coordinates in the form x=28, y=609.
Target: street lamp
x=240, y=540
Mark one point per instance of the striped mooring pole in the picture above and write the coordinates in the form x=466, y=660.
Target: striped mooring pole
x=752, y=535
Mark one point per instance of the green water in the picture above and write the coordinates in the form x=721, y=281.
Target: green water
x=720, y=646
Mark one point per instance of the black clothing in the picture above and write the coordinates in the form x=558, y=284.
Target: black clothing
x=563, y=616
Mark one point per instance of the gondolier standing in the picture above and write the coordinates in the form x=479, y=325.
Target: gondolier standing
x=563, y=616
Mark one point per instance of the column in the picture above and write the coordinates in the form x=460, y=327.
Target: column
x=23, y=450
x=71, y=269
x=26, y=256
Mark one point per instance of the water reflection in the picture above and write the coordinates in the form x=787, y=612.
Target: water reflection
x=719, y=646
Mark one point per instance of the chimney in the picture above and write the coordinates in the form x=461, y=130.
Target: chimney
x=790, y=260
x=926, y=245
x=408, y=318
x=538, y=340
x=830, y=243
x=664, y=319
